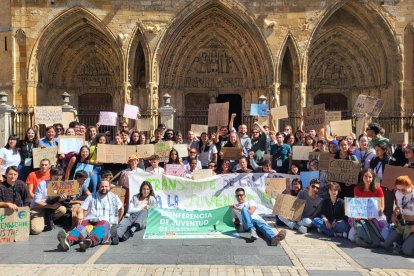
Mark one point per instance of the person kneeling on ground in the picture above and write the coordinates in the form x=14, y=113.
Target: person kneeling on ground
x=104, y=210
x=311, y=211
x=245, y=217
x=136, y=218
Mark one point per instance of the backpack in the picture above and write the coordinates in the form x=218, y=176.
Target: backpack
x=367, y=235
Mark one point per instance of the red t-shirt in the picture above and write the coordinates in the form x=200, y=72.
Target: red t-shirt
x=35, y=178
x=377, y=193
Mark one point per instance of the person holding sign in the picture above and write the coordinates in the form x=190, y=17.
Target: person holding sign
x=9, y=155
x=247, y=220
x=38, y=176
x=133, y=162
x=173, y=157
x=403, y=218
x=280, y=154
x=13, y=192
x=81, y=158
x=207, y=151
x=154, y=160
x=373, y=131
x=50, y=139
x=364, y=153
x=347, y=189
x=258, y=141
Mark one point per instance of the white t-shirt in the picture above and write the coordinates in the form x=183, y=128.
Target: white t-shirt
x=206, y=156
x=154, y=170
x=101, y=206
x=10, y=157
x=247, y=204
x=405, y=202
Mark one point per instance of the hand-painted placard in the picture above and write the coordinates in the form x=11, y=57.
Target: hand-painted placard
x=275, y=186
x=332, y=116
x=131, y=111
x=162, y=149
x=367, y=104
x=198, y=129
x=47, y=115
x=45, y=153
x=175, y=170
x=111, y=154
x=230, y=153
x=182, y=150
x=399, y=138
x=341, y=128
x=67, y=118
x=313, y=117
x=280, y=112
x=14, y=225
x=218, y=114
x=301, y=152
x=261, y=110
x=307, y=177
x=392, y=172
x=345, y=171
x=145, y=124
x=289, y=207
x=58, y=188
x=107, y=118
x=145, y=151
x=323, y=159
x=201, y=174
x=70, y=144
x=362, y=207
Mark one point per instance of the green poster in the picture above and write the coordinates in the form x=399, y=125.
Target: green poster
x=181, y=224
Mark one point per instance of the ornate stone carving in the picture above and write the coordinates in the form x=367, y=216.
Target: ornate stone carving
x=153, y=28
x=269, y=24
x=122, y=38
x=20, y=37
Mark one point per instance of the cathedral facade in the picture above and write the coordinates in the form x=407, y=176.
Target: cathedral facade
x=295, y=52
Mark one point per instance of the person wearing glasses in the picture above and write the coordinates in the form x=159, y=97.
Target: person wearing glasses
x=246, y=219
x=258, y=141
x=311, y=210
x=59, y=129
x=169, y=135
x=192, y=154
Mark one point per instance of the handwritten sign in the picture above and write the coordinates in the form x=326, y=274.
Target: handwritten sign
x=107, y=118
x=45, y=153
x=162, y=149
x=362, y=207
x=323, y=159
x=332, y=116
x=47, y=115
x=263, y=121
x=280, y=112
x=201, y=174
x=111, y=154
x=131, y=111
x=341, y=128
x=345, y=171
x=301, y=152
x=367, y=104
x=289, y=207
x=314, y=117
x=182, y=150
x=218, y=114
x=307, y=177
x=230, y=153
x=198, y=129
x=58, y=188
x=175, y=169
x=399, y=138
x=14, y=225
x=275, y=186
x=145, y=151
x=130, y=150
x=259, y=110
x=145, y=124
x=67, y=118
x=392, y=172
x=70, y=144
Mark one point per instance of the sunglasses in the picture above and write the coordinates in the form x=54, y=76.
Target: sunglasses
x=315, y=187
x=254, y=132
x=193, y=152
x=239, y=195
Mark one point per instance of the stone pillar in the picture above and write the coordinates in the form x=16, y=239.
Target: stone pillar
x=5, y=118
x=69, y=112
x=152, y=96
x=166, y=112
x=275, y=92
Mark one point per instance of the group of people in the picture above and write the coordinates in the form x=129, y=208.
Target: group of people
x=97, y=214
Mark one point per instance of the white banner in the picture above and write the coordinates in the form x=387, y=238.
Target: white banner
x=206, y=194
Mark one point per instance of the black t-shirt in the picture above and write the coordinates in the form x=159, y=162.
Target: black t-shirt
x=17, y=193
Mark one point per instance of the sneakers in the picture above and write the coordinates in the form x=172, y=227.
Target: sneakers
x=253, y=234
x=341, y=235
x=279, y=237
x=302, y=229
x=84, y=245
x=127, y=235
x=64, y=243
x=114, y=234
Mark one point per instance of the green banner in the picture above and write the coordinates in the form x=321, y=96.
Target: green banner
x=181, y=224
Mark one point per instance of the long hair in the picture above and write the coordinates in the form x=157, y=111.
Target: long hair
x=78, y=156
x=146, y=183
x=176, y=161
x=35, y=138
x=361, y=184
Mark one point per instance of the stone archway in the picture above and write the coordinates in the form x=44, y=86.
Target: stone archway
x=214, y=50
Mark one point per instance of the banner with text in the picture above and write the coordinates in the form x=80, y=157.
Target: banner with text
x=14, y=225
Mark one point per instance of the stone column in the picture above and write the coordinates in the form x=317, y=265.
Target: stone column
x=166, y=112
x=5, y=118
x=275, y=92
x=69, y=113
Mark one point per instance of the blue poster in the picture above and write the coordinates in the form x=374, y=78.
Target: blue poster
x=362, y=207
x=88, y=168
x=306, y=177
x=261, y=110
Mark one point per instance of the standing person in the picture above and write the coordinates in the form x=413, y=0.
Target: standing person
x=59, y=129
x=104, y=211
x=409, y=155
x=280, y=154
x=81, y=158
x=38, y=176
x=13, y=192
x=179, y=137
x=134, y=138
x=373, y=131
x=233, y=141
x=347, y=189
x=30, y=141
x=173, y=157
x=169, y=135
x=9, y=156
x=243, y=163
x=91, y=133
x=192, y=154
x=258, y=142
x=136, y=218
x=157, y=136
x=247, y=220
x=50, y=139
x=191, y=140
x=207, y=151
x=100, y=139
x=125, y=137
x=363, y=153
x=332, y=220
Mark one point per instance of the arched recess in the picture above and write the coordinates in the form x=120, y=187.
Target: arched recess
x=76, y=53
x=409, y=67
x=354, y=51
x=214, y=49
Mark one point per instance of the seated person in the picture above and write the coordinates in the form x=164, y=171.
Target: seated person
x=402, y=238
x=333, y=221
x=103, y=211
x=311, y=211
x=193, y=166
x=13, y=192
x=45, y=209
x=136, y=218
x=296, y=187
x=154, y=160
x=243, y=166
x=77, y=200
x=34, y=178
x=245, y=217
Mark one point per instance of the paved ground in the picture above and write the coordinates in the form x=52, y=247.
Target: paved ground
x=310, y=254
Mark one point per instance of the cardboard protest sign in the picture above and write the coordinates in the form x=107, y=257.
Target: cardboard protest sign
x=111, y=154
x=175, y=170
x=263, y=121
x=332, y=116
x=145, y=124
x=218, y=114
x=307, y=177
x=14, y=225
x=130, y=150
x=275, y=186
x=131, y=111
x=367, y=104
x=162, y=149
x=301, y=152
x=201, y=174
x=362, y=207
x=198, y=129
x=230, y=153
x=47, y=115
x=323, y=159
x=182, y=150
x=345, y=171
x=289, y=207
x=145, y=151
x=399, y=138
x=313, y=117
x=280, y=112
x=259, y=110
x=341, y=128
x=377, y=108
x=45, y=153
x=70, y=144
x=392, y=172
x=67, y=118
x=107, y=118
x=57, y=188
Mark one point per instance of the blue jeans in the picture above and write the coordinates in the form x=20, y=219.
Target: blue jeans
x=307, y=222
x=260, y=225
x=340, y=227
x=95, y=178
